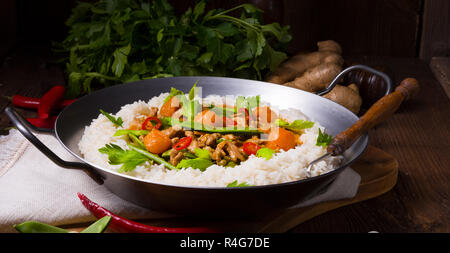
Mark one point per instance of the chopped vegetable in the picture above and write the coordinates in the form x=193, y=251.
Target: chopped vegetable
x=296, y=125
x=166, y=154
x=122, y=225
x=128, y=158
x=51, y=101
x=133, y=132
x=197, y=163
x=250, y=148
x=136, y=141
x=183, y=143
x=202, y=153
x=153, y=157
x=266, y=153
x=235, y=184
x=170, y=107
x=157, y=142
x=280, y=138
x=323, y=139
x=149, y=120
x=118, y=122
x=230, y=164
x=200, y=127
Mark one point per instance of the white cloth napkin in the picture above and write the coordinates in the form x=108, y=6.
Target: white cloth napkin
x=32, y=187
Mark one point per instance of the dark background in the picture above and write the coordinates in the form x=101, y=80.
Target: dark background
x=400, y=28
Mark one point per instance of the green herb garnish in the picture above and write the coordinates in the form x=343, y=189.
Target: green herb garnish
x=197, y=163
x=323, y=139
x=153, y=157
x=296, y=125
x=202, y=153
x=136, y=141
x=173, y=92
x=133, y=132
x=128, y=158
x=117, y=122
x=266, y=153
x=235, y=184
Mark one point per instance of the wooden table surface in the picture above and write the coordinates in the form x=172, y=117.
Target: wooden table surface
x=418, y=135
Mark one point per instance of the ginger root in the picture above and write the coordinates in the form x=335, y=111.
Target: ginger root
x=316, y=78
x=328, y=52
x=314, y=71
x=347, y=96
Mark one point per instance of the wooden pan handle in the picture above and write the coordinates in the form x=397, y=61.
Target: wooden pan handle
x=377, y=113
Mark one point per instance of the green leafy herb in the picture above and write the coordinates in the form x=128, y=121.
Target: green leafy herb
x=266, y=153
x=296, y=125
x=235, y=184
x=153, y=157
x=323, y=139
x=173, y=92
x=118, y=41
x=202, y=153
x=128, y=158
x=166, y=154
x=117, y=122
x=197, y=163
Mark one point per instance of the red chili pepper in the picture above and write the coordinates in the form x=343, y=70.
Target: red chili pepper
x=149, y=120
x=250, y=148
x=25, y=102
x=183, y=143
x=122, y=225
x=50, y=101
x=245, y=110
x=43, y=123
x=33, y=103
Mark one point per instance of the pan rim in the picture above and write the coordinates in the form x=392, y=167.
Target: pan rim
x=364, y=138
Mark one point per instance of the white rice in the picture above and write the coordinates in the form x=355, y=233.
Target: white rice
x=284, y=166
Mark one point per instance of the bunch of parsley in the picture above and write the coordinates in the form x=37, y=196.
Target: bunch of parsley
x=118, y=41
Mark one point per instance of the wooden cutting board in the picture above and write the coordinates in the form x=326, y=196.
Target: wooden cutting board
x=378, y=172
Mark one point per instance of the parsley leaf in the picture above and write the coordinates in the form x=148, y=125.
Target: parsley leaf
x=197, y=163
x=117, y=122
x=116, y=41
x=296, y=125
x=128, y=158
x=323, y=139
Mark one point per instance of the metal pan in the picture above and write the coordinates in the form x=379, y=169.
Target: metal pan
x=215, y=201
